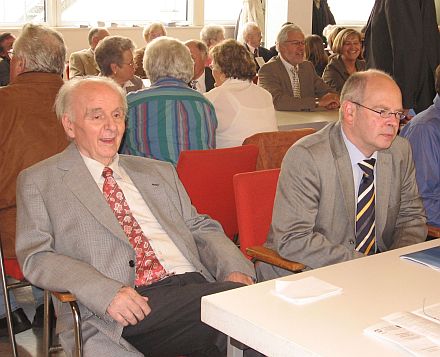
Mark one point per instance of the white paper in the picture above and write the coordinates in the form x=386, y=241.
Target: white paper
x=416, y=344
x=416, y=324
x=260, y=61
x=431, y=312
x=305, y=290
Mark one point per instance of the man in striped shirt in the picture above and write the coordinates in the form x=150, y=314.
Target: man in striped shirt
x=169, y=116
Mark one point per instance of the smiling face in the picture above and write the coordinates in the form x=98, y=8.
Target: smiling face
x=292, y=50
x=253, y=37
x=98, y=121
x=351, y=48
x=367, y=130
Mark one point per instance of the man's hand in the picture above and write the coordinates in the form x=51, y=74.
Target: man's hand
x=128, y=307
x=329, y=101
x=238, y=277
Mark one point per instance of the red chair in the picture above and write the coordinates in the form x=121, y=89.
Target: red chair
x=207, y=177
x=254, y=198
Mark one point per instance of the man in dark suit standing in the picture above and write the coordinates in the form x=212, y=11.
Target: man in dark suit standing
x=203, y=80
x=402, y=39
x=252, y=41
x=293, y=82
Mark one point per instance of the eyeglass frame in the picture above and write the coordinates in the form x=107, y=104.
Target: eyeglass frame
x=383, y=112
x=295, y=42
x=131, y=64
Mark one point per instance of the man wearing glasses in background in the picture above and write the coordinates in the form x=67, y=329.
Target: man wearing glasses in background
x=293, y=82
x=350, y=189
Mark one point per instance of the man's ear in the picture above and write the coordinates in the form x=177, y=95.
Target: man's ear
x=348, y=111
x=68, y=126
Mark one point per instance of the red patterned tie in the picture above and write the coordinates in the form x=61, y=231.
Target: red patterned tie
x=148, y=267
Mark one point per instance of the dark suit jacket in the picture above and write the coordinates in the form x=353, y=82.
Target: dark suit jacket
x=402, y=39
x=262, y=52
x=314, y=211
x=274, y=78
x=335, y=74
x=209, y=79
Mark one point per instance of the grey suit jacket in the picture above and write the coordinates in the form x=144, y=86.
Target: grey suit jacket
x=314, y=212
x=274, y=78
x=69, y=239
x=82, y=63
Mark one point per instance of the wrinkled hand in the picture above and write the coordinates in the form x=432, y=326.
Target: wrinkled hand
x=238, y=277
x=329, y=101
x=128, y=307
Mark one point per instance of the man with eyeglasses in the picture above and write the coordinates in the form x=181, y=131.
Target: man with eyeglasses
x=291, y=80
x=350, y=189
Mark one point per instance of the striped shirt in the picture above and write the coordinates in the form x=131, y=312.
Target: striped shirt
x=167, y=118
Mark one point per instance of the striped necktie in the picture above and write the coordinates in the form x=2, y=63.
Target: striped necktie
x=365, y=210
x=295, y=82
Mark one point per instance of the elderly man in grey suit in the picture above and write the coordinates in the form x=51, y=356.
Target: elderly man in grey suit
x=293, y=82
x=120, y=233
x=82, y=63
x=350, y=189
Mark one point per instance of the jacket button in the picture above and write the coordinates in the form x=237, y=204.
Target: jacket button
x=131, y=263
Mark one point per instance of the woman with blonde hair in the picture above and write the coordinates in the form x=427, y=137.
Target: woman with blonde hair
x=314, y=52
x=345, y=62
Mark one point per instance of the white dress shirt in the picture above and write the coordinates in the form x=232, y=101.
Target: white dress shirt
x=166, y=251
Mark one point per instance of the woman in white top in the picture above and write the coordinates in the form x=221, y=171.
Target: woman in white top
x=242, y=108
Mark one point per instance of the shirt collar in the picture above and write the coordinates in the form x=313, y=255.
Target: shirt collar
x=355, y=154
x=95, y=167
x=288, y=65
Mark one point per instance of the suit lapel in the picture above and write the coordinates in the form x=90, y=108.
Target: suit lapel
x=383, y=186
x=284, y=75
x=153, y=192
x=344, y=172
x=80, y=182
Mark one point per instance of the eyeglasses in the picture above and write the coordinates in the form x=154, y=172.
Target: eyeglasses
x=131, y=64
x=384, y=113
x=296, y=43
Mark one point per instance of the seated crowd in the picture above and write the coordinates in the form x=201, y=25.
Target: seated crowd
x=100, y=209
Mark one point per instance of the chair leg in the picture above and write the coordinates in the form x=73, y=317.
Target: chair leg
x=7, y=304
x=47, y=326
x=77, y=328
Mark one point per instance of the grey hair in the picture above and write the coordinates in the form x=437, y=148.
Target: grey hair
x=168, y=57
x=200, y=46
x=354, y=87
x=94, y=32
x=41, y=48
x=151, y=27
x=210, y=33
x=284, y=33
x=67, y=94
x=110, y=50
x=248, y=27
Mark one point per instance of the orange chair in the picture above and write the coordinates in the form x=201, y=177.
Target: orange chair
x=273, y=145
x=207, y=177
x=254, y=198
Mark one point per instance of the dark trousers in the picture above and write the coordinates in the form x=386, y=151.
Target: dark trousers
x=173, y=326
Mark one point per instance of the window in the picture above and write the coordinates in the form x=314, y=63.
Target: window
x=349, y=12
x=125, y=13
x=222, y=11
x=18, y=12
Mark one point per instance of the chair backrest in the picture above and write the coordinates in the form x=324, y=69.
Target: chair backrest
x=254, y=198
x=273, y=145
x=207, y=177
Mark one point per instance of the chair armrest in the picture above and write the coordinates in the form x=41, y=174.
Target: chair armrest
x=64, y=296
x=269, y=256
x=433, y=232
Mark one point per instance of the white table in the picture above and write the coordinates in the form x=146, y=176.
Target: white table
x=373, y=287
x=295, y=120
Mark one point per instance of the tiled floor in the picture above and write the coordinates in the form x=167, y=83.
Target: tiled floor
x=29, y=343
